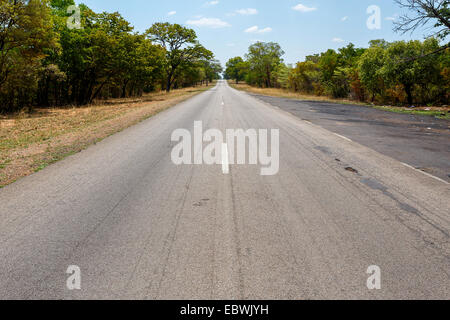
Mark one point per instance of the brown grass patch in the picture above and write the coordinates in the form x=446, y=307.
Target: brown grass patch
x=31, y=141
x=283, y=93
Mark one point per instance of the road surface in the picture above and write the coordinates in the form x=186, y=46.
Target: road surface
x=420, y=141
x=140, y=227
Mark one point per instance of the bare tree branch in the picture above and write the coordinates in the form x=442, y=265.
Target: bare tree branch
x=424, y=12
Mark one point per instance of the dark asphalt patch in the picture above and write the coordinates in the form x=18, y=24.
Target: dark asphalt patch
x=420, y=141
x=325, y=150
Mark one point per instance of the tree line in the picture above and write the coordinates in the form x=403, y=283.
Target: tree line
x=45, y=61
x=397, y=73
x=401, y=72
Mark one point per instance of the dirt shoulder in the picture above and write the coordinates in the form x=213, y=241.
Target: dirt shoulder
x=437, y=112
x=31, y=141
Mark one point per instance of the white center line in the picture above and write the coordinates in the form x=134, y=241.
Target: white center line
x=225, y=163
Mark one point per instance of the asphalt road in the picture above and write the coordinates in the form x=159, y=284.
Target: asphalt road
x=421, y=141
x=140, y=227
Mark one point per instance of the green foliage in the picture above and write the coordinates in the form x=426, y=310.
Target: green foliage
x=26, y=29
x=236, y=69
x=305, y=77
x=181, y=46
x=369, y=67
x=44, y=62
x=263, y=59
x=281, y=75
x=398, y=73
x=401, y=66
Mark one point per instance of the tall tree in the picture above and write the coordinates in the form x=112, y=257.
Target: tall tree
x=26, y=30
x=181, y=47
x=401, y=67
x=264, y=58
x=236, y=69
x=369, y=66
x=305, y=77
x=212, y=68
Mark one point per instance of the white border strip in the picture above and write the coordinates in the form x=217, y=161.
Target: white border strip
x=425, y=173
x=345, y=138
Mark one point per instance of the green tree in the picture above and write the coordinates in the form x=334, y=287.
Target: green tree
x=236, y=69
x=369, y=66
x=328, y=65
x=26, y=30
x=181, y=45
x=263, y=59
x=402, y=66
x=281, y=75
x=305, y=77
x=212, y=69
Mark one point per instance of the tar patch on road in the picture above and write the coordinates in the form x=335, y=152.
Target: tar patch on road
x=350, y=169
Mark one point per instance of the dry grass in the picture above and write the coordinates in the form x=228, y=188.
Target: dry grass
x=282, y=93
x=438, y=112
x=31, y=141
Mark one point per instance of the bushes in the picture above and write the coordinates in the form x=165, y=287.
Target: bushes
x=401, y=72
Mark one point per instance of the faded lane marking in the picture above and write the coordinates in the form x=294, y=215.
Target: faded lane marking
x=225, y=162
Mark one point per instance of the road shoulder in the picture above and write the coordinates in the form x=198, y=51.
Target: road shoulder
x=421, y=142
x=31, y=142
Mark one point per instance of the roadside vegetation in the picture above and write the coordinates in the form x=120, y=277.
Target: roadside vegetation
x=394, y=75
x=69, y=77
x=440, y=112
x=31, y=141
x=51, y=55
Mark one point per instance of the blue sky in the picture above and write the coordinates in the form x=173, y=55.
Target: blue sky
x=301, y=27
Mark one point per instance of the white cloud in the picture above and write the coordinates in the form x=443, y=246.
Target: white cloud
x=302, y=8
x=344, y=18
x=172, y=13
x=338, y=40
x=208, y=22
x=256, y=29
x=211, y=3
x=247, y=12
x=252, y=29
